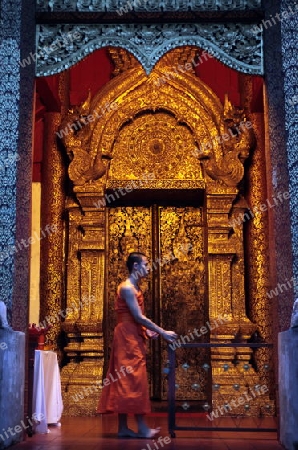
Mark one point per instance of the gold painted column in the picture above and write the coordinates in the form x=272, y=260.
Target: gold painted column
x=52, y=301
x=257, y=252
x=52, y=248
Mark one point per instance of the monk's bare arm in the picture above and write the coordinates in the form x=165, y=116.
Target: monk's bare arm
x=128, y=295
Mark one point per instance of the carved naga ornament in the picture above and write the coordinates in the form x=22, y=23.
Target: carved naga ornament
x=75, y=133
x=236, y=141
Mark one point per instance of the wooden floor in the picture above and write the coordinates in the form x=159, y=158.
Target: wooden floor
x=99, y=433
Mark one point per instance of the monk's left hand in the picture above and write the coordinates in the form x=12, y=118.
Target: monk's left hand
x=152, y=334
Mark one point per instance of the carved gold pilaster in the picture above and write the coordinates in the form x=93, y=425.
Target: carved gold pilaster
x=224, y=302
x=85, y=300
x=231, y=370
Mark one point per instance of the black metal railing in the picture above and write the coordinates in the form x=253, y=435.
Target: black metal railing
x=171, y=389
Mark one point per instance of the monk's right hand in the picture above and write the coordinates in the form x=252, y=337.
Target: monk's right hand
x=170, y=336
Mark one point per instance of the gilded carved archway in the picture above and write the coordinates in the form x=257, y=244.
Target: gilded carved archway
x=150, y=134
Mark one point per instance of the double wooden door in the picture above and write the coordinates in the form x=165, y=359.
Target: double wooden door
x=173, y=238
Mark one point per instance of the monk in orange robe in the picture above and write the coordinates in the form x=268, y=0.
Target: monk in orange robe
x=128, y=392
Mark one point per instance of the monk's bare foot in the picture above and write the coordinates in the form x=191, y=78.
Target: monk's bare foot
x=148, y=433
x=127, y=433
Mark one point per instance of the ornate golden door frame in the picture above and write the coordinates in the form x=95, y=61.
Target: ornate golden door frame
x=161, y=136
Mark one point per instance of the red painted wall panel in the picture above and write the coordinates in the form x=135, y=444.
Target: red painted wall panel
x=93, y=72
x=220, y=78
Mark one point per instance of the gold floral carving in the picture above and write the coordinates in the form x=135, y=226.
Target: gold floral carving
x=155, y=144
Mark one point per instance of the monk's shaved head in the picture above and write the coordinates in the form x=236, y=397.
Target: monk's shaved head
x=134, y=257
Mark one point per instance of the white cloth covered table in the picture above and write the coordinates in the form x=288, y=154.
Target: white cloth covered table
x=47, y=400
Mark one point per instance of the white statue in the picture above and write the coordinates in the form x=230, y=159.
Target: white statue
x=3, y=315
x=294, y=319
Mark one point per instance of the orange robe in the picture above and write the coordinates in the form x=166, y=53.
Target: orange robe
x=129, y=392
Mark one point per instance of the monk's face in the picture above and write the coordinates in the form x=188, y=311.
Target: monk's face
x=143, y=267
